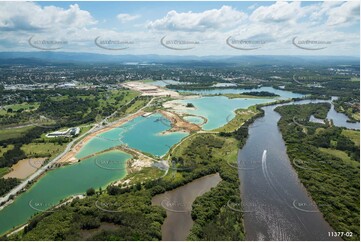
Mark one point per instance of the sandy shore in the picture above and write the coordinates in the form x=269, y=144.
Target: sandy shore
x=179, y=107
x=178, y=124
x=24, y=168
x=70, y=156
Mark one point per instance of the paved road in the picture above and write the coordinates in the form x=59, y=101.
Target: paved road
x=43, y=168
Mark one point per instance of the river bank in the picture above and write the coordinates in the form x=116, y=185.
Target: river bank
x=270, y=186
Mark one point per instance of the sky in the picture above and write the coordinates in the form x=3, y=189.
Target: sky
x=183, y=28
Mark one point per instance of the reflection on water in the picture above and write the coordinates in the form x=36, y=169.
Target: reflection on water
x=281, y=208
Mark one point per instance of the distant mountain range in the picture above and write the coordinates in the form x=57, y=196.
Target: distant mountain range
x=52, y=57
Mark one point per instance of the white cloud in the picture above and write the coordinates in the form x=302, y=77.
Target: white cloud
x=29, y=16
x=124, y=17
x=278, y=12
x=349, y=11
x=253, y=6
x=213, y=19
x=277, y=24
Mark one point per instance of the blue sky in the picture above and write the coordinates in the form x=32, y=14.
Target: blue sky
x=182, y=28
x=107, y=11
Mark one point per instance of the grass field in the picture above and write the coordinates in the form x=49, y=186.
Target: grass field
x=340, y=154
x=229, y=150
x=4, y=171
x=354, y=135
x=42, y=149
x=13, y=133
x=146, y=174
x=114, y=98
x=137, y=105
x=242, y=115
x=355, y=79
x=16, y=107
x=3, y=150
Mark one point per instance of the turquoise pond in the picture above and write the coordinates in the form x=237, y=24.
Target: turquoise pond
x=62, y=182
x=142, y=133
x=219, y=110
x=194, y=119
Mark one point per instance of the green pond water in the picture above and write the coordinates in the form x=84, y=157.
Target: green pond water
x=219, y=110
x=60, y=183
x=142, y=133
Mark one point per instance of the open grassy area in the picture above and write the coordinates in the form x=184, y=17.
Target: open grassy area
x=355, y=79
x=145, y=174
x=242, y=115
x=13, y=133
x=228, y=151
x=84, y=129
x=4, y=171
x=138, y=104
x=42, y=149
x=17, y=107
x=353, y=135
x=5, y=149
x=117, y=98
x=340, y=154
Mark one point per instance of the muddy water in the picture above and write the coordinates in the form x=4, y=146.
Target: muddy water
x=178, y=204
x=276, y=205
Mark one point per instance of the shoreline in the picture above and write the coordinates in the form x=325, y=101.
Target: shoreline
x=178, y=123
x=70, y=156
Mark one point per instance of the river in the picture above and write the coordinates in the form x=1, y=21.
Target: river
x=276, y=205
